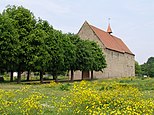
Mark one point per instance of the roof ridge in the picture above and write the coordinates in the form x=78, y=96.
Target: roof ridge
x=97, y=28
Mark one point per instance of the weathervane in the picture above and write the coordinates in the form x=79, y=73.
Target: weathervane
x=109, y=20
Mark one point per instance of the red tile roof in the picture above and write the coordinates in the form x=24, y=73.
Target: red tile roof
x=111, y=42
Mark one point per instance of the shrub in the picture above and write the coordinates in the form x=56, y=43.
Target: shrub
x=65, y=87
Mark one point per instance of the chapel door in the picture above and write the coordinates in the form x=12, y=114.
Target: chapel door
x=85, y=75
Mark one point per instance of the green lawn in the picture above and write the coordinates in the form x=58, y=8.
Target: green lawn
x=86, y=97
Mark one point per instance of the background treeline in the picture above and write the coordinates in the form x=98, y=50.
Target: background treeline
x=30, y=44
x=146, y=69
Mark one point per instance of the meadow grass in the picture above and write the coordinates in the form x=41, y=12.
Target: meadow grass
x=103, y=96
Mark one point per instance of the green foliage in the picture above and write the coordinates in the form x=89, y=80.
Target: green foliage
x=65, y=87
x=24, y=22
x=28, y=44
x=56, y=52
x=137, y=69
x=90, y=56
x=99, y=61
x=84, y=57
x=75, y=40
x=148, y=67
x=9, y=43
x=38, y=55
x=144, y=69
x=69, y=50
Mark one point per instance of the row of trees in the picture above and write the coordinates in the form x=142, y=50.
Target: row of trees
x=30, y=44
x=146, y=68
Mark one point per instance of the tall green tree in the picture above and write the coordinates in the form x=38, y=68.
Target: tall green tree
x=99, y=62
x=37, y=52
x=57, y=53
x=90, y=57
x=69, y=52
x=24, y=23
x=84, y=55
x=9, y=44
x=55, y=48
x=73, y=65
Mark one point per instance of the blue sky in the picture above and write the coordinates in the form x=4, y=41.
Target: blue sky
x=131, y=20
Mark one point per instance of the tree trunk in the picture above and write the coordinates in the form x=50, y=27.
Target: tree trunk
x=28, y=75
x=41, y=77
x=55, y=78
x=11, y=76
x=72, y=75
x=19, y=77
x=67, y=73
x=92, y=75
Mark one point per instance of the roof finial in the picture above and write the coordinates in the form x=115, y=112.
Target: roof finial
x=109, y=20
x=109, y=28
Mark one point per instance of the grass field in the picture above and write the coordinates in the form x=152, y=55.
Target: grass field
x=104, y=96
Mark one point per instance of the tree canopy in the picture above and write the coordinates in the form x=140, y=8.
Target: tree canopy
x=30, y=44
x=148, y=67
x=9, y=42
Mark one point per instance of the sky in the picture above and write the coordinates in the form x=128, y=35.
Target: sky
x=130, y=20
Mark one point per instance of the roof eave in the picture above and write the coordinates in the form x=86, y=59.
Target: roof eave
x=121, y=51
